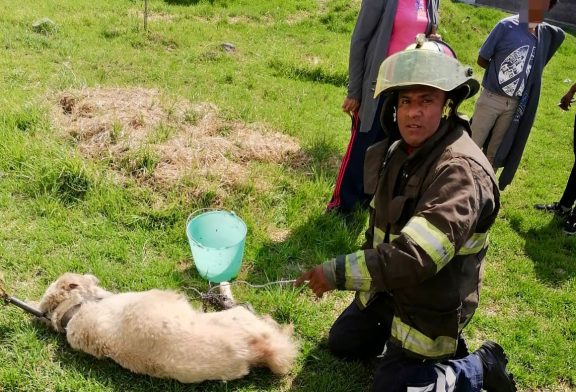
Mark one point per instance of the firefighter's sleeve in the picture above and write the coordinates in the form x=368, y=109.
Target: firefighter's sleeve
x=444, y=220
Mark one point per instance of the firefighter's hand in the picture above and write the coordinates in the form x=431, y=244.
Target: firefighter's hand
x=350, y=105
x=316, y=281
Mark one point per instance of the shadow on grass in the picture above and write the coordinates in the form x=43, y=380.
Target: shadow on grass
x=323, y=236
x=107, y=373
x=320, y=372
x=550, y=249
x=323, y=372
x=315, y=74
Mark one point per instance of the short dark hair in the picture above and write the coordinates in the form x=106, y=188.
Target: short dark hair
x=553, y=4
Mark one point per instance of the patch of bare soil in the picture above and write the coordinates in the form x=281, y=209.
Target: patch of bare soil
x=146, y=136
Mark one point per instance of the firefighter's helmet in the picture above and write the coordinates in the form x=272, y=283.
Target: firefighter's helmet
x=426, y=63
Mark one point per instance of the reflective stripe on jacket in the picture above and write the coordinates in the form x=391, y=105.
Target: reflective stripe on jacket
x=426, y=240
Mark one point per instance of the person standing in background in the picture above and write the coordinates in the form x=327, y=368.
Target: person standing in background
x=564, y=207
x=514, y=56
x=383, y=28
x=418, y=276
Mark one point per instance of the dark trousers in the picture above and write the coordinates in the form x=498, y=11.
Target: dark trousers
x=569, y=195
x=349, y=189
x=363, y=334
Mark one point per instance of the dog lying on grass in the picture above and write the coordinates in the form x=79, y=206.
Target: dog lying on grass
x=158, y=333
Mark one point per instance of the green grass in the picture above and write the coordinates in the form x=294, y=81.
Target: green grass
x=63, y=212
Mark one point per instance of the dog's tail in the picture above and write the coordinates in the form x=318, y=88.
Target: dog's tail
x=276, y=351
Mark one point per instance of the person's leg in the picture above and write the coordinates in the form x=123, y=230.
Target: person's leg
x=569, y=195
x=396, y=372
x=486, y=113
x=343, y=195
x=349, y=188
x=361, y=334
x=563, y=207
x=508, y=109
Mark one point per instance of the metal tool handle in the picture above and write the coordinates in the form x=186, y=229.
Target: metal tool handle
x=24, y=306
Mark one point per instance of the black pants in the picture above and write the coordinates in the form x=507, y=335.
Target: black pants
x=569, y=195
x=362, y=334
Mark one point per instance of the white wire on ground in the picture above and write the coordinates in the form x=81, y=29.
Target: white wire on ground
x=256, y=286
x=216, y=298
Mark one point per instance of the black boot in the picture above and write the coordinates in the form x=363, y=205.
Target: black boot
x=494, y=361
x=570, y=224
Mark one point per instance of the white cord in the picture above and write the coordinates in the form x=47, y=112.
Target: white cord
x=209, y=294
x=256, y=286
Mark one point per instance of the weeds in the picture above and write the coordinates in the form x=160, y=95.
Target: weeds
x=139, y=163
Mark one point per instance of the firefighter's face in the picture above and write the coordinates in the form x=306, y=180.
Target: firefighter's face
x=419, y=113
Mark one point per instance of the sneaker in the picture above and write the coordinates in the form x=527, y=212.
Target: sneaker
x=570, y=224
x=495, y=377
x=555, y=208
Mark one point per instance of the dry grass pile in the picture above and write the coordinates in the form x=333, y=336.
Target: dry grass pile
x=144, y=135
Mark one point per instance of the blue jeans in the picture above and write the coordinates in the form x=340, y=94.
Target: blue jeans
x=362, y=334
x=396, y=372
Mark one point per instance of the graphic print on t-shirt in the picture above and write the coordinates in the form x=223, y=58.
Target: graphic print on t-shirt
x=514, y=69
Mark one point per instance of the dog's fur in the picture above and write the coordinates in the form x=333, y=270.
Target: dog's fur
x=159, y=333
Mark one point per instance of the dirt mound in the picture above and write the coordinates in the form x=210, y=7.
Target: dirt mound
x=145, y=135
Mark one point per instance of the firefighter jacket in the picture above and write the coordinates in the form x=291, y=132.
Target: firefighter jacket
x=427, y=238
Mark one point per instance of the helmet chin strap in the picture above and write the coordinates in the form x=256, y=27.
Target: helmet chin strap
x=448, y=108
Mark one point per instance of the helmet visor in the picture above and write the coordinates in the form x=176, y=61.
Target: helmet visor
x=423, y=67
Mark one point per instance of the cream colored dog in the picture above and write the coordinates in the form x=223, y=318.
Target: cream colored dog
x=159, y=333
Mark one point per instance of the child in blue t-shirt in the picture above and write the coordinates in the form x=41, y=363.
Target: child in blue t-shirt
x=508, y=56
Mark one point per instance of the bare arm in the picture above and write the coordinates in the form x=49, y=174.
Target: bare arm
x=566, y=100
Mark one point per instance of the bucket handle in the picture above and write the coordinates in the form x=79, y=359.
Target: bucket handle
x=197, y=211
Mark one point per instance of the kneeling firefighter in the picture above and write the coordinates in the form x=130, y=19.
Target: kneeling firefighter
x=417, y=278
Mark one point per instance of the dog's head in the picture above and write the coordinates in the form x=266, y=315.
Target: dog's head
x=69, y=290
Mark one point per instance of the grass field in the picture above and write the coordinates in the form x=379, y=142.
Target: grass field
x=111, y=136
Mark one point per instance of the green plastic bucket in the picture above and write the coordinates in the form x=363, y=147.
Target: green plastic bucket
x=217, y=240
